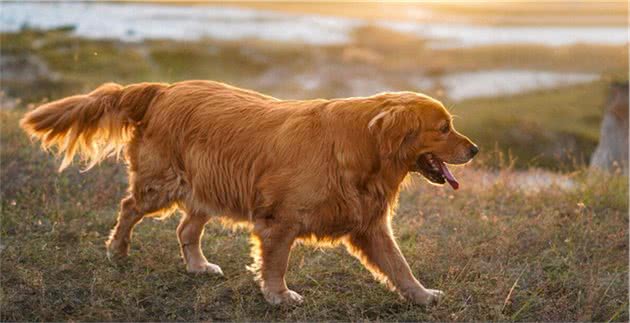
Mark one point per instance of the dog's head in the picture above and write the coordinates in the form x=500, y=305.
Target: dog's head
x=416, y=131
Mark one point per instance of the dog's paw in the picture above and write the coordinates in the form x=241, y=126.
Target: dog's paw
x=116, y=250
x=425, y=296
x=203, y=268
x=286, y=297
x=436, y=296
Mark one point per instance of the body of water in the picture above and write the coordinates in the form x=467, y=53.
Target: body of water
x=135, y=22
x=487, y=83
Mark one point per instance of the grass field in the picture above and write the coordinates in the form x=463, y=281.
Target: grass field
x=499, y=252
x=508, y=246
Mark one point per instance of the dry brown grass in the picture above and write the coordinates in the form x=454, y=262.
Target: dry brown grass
x=500, y=249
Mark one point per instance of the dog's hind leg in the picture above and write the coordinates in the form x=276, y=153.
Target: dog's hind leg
x=189, y=234
x=148, y=197
x=120, y=237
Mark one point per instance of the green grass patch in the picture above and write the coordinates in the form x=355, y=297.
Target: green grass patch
x=556, y=128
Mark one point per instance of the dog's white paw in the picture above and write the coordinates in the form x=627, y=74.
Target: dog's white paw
x=425, y=296
x=436, y=295
x=116, y=250
x=287, y=297
x=206, y=267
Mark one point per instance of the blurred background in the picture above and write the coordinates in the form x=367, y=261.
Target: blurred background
x=532, y=234
x=527, y=78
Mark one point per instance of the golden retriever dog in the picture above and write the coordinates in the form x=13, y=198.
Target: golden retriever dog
x=317, y=170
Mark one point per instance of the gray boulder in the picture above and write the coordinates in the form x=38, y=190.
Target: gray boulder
x=611, y=153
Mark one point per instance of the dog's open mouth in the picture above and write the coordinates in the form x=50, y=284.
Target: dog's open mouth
x=435, y=170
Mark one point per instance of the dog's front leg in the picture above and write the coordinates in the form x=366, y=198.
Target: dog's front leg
x=272, y=246
x=379, y=252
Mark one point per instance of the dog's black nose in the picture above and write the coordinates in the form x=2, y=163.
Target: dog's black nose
x=473, y=150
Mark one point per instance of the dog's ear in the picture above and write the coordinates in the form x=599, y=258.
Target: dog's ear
x=394, y=129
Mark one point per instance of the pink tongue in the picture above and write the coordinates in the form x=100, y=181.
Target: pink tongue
x=449, y=177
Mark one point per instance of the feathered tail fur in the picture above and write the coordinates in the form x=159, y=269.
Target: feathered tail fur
x=95, y=125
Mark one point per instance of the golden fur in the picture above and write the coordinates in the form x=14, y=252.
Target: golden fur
x=326, y=170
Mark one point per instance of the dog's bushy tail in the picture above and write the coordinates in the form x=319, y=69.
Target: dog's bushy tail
x=95, y=125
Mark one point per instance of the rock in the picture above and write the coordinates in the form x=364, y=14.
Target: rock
x=612, y=151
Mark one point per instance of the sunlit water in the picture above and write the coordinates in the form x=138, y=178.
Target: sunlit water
x=466, y=85
x=134, y=22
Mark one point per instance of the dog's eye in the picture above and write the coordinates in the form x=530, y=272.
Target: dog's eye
x=445, y=129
